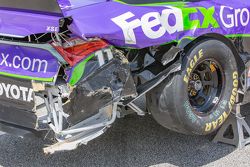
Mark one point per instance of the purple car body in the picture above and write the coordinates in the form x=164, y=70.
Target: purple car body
x=132, y=26
x=85, y=58
x=143, y=26
x=122, y=26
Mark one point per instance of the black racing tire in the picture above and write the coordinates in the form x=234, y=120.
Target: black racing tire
x=198, y=99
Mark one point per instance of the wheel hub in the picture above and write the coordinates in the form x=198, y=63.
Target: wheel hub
x=205, y=85
x=195, y=85
x=198, y=85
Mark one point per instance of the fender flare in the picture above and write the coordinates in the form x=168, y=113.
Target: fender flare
x=187, y=42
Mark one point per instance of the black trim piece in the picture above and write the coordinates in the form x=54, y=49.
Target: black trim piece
x=47, y=6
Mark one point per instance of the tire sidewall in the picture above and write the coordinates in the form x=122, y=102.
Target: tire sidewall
x=218, y=51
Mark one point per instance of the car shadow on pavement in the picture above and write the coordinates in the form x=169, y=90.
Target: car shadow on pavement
x=131, y=141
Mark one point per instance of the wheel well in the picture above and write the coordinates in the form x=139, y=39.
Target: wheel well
x=187, y=43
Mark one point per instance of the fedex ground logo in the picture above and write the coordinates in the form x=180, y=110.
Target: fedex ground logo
x=172, y=20
x=154, y=24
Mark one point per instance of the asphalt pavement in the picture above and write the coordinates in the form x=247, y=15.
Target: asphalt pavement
x=133, y=141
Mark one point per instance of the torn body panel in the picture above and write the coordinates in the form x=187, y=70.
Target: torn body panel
x=84, y=111
x=103, y=86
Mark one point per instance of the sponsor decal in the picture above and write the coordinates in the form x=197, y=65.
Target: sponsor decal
x=52, y=29
x=208, y=18
x=172, y=20
x=148, y=21
x=28, y=62
x=16, y=92
x=231, y=17
x=25, y=63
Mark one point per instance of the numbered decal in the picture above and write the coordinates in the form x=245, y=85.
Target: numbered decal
x=104, y=56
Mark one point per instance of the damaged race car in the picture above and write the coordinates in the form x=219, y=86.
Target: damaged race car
x=69, y=68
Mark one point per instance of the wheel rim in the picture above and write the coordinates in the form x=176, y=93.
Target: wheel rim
x=205, y=86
